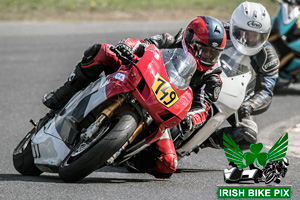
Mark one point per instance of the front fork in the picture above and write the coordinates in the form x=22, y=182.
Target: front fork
x=105, y=114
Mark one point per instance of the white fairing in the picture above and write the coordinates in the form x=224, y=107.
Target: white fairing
x=48, y=149
x=49, y=145
x=289, y=13
x=228, y=172
x=248, y=174
x=233, y=92
x=236, y=76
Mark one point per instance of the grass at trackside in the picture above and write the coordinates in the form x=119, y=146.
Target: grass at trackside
x=119, y=9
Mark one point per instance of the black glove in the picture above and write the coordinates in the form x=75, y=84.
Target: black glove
x=126, y=52
x=177, y=38
x=186, y=124
x=245, y=110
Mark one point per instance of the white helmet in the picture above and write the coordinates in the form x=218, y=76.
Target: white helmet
x=250, y=26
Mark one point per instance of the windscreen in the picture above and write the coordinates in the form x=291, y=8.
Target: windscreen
x=180, y=67
x=233, y=62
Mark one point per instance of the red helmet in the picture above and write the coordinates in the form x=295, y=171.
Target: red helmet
x=205, y=38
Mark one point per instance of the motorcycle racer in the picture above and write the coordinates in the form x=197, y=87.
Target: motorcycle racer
x=204, y=38
x=249, y=28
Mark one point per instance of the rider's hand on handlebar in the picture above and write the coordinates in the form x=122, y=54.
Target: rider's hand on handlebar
x=126, y=52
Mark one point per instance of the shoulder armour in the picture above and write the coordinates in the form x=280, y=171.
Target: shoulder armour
x=267, y=60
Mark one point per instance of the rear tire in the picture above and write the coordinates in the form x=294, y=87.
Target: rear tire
x=76, y=167
x=23, y=159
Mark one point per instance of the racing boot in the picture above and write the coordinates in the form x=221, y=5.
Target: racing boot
x=58, y=98
x=243, y=136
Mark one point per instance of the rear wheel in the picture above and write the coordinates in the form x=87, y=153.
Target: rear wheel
x=23, y=158
x=87, y=156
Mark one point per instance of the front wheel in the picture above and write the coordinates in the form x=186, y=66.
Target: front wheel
x=23, y=159
x=90, y=155
x=270, y=177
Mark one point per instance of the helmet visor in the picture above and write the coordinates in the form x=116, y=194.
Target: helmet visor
x=249, y=38
x=206, y=54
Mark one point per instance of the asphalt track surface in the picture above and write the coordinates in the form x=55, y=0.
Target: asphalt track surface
x=37, y=58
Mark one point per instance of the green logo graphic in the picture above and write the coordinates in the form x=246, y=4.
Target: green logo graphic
x=243, y=160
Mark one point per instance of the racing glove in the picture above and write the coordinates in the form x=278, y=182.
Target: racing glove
x=187, y=124
x=126, y=52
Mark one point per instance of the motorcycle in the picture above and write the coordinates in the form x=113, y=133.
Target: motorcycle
x=237, y=78
x=274, y=170
x=112, y=119
x=285, y=37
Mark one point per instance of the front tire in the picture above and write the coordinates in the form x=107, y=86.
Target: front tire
x=76, y=166
x=23, y=159
x=270, y=177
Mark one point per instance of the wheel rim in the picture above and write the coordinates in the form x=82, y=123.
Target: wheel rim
x=84, y=146
x=270, y=178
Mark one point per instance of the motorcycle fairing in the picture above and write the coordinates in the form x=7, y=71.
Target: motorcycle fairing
x=236, y=74
x=51, y=144
x=161, y=88
x=235, y=77
x=295, y=45
x=286, y=25
x=228, y=102
x=77, y=109
x=292, y=66
x=48, y=148
x=151, y=69
x=286, y=19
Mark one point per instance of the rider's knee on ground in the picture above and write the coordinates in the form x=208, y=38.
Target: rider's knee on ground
x=166, y=163
x=165, y=166
x=159, y=160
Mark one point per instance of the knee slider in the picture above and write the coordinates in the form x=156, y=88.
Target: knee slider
x=167, y=163
x=78, y=79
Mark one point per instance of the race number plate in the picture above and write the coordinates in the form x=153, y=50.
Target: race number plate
x=163, y=92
